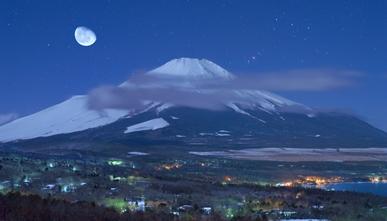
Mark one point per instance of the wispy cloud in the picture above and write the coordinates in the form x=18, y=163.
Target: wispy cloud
x=301, y=80
x=6, y=118
x=213, y=93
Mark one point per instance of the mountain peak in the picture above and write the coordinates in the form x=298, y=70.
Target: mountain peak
x=191, y=68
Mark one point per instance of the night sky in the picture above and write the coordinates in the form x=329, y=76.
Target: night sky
x=41, y=64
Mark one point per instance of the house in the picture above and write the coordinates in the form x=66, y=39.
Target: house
x=49, y=187
x=185, y=208
x=206, y=210
x=137, y=204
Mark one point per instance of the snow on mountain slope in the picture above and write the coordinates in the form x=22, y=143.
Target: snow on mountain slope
x=192, y=68
x=69, y=116
x=253, y=99
x=153, y=124
x=73, y=114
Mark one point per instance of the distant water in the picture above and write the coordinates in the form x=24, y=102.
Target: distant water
x=362, y=187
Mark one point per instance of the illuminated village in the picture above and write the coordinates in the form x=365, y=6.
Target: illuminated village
x=135, y=184
x=311, y=181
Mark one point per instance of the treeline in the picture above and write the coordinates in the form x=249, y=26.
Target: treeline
x=16, y=206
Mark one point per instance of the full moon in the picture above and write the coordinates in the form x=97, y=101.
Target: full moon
x=84, y=36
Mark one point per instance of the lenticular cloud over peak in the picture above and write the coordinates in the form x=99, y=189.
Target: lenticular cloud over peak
x=189, y=82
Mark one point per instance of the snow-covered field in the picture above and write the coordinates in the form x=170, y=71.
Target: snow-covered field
x=299, y=154
x=136, y=153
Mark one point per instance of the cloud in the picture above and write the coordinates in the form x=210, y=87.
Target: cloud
x=6, y=118
x=214, y=93
x=133, y=98
x=301, y=80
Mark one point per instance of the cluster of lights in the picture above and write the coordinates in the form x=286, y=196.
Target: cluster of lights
x=378, y=179
x=115, y=162
x=169, y=166
x=321, y=180
x=314, y=180
x=227, y=178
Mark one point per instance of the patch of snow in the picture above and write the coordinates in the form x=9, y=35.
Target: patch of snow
x=262, y=121
x=264, y=110
x=138, y=153
x=153, y=124
x=311, y=115
x=206, y=134
x=180, y=136
x=174, y=118
x=163, y=107
x=224, y=131
x=222, y=134
x=237, y=109
x=265, y=99
x=148, y=106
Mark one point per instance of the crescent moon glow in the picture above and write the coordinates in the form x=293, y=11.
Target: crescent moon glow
x=84, y=36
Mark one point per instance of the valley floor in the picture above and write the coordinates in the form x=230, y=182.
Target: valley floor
x=190, y=187
x=302, y=154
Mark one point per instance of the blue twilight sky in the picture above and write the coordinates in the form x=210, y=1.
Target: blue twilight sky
x=41, y=64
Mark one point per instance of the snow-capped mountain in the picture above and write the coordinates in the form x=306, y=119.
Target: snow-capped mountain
x=247, y=117
x=189, y=68
x=74, y=115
